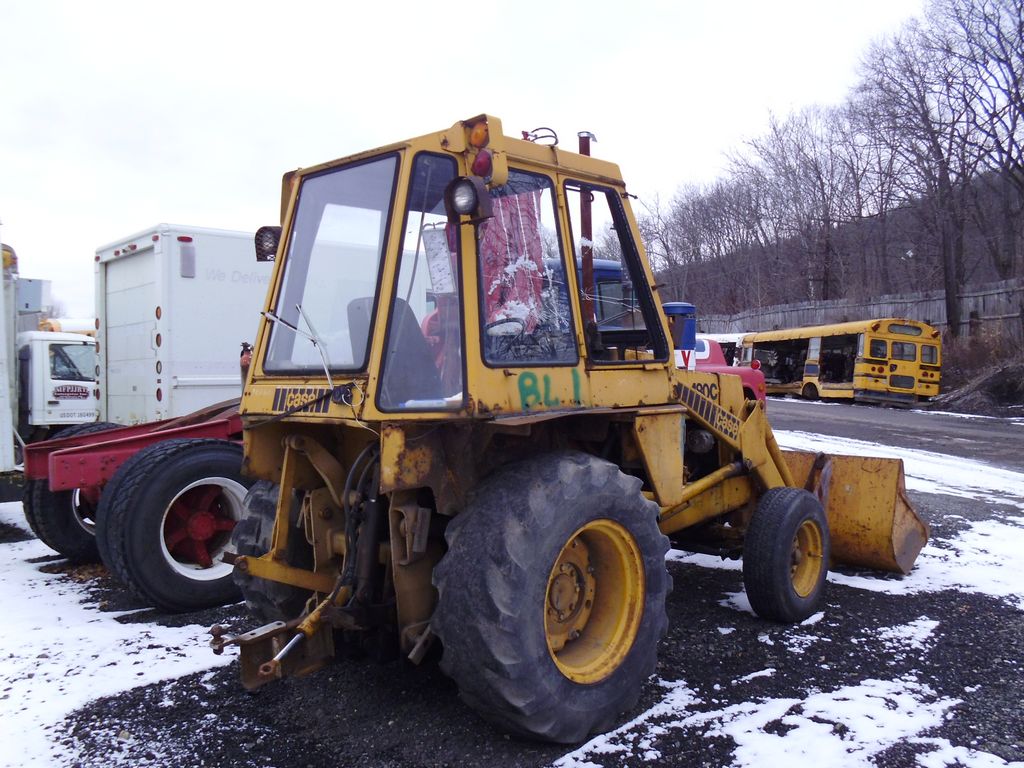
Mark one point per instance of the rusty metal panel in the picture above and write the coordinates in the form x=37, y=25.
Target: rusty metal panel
x=660, y=438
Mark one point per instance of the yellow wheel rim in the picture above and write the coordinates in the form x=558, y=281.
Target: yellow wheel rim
x=594, y=601
x=806, y=560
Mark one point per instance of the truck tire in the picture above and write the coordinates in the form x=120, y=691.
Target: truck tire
x=551, y=597
x=65, y=520
x=169, y=520
x=269, y=600
x=786, y=554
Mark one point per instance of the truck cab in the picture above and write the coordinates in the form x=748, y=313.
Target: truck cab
x=56, y=381
x=710, y=357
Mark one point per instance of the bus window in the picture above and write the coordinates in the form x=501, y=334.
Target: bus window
x=929, y=354
x=904, y=350
x=878, y=349
x=814, y=348
x=610, y=302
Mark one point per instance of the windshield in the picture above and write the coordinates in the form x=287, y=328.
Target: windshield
x=332, y=268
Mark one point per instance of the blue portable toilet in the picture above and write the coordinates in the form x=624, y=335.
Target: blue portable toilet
x=682, y=317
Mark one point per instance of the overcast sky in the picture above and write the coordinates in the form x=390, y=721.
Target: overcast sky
x=117, y=116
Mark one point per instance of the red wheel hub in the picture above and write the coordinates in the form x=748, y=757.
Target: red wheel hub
x=202, y=526
x=196, y=520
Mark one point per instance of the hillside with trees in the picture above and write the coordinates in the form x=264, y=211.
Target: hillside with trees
x=915, y=182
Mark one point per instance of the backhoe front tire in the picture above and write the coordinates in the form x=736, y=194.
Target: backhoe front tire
x=269, y=600
x=551, y=597
x=65, y=520
x=786, y=554
x=168, y=521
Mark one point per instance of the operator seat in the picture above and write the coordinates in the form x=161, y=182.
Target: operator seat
x=409, y=371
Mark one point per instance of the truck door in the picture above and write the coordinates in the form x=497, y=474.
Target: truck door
x=66, y=371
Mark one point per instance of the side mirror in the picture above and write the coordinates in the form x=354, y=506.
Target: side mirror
x=267, y=240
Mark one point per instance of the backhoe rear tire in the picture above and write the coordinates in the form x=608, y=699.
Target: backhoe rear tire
x=168, y=521
x=551, y=597
x=65, y=520
x=269, y=600
x=786, y=554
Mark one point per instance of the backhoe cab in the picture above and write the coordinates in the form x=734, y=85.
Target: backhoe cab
x=451, y=446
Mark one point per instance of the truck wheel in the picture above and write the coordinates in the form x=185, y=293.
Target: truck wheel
x=786, y=555
x=269, y=600
x=65, y=520
x=169, y=519
x=551, y=597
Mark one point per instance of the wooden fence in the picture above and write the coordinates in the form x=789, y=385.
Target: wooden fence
x=996, y=308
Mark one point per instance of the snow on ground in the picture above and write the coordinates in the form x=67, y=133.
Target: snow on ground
x=837, y=728
x=60, y=652
x=926, y=471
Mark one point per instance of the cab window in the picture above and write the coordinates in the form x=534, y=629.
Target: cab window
x=422, y=365
x=323, y=313
x=72, y=362
x=524, y=293
x=620, y=322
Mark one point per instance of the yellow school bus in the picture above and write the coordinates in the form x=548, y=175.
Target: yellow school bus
x=891, y=360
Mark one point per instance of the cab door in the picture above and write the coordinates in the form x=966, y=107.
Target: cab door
x=627, y=346
x=65, y=372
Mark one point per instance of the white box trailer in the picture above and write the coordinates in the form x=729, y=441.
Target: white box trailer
x=174, y=303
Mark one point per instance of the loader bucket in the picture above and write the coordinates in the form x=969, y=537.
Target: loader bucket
x=871, y=520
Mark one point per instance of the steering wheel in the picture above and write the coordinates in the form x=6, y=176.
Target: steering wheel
x=504, y=345
x=489, y=329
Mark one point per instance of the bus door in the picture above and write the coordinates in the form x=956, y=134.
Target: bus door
x=836, y=363
x=812, y=366
x=903, y=366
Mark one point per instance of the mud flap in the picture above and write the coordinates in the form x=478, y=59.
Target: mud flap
x=871, y=521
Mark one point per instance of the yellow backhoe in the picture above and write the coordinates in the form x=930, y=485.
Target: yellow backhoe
x=460, y=439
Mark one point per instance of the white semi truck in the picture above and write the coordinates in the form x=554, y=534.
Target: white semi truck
x=155, y=487
x=49, y=378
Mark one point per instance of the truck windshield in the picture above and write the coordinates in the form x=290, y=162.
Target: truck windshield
x=332, y=268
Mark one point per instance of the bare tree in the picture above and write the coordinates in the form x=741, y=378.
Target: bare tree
x=916, y=93
x=986, y=37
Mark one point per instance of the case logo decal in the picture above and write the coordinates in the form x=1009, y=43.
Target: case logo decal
x=294, y=398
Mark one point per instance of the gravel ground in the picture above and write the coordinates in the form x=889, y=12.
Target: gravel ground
x=964, y=667
x=360, y=712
